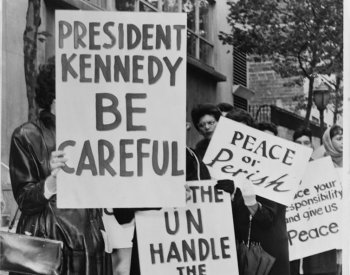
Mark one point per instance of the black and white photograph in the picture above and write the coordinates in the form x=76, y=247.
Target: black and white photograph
x=175, y=137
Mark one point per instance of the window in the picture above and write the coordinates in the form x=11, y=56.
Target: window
x=98, y=3
x=198, y=21
x=160, y=5
x=315, y=119
x=240, y=102
x=198, y=30
x=239, y=68
x=125, y=5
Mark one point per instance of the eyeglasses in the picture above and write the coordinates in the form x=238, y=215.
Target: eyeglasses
x=203, y=124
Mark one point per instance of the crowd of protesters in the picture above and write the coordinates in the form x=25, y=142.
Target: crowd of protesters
x=35, y=162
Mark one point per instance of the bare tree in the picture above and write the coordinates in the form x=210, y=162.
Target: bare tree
x=30, y=37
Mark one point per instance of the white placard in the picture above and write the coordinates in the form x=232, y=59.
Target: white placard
x=121, y=107
x=274, y=165
x=198, y=239
x=314, y=219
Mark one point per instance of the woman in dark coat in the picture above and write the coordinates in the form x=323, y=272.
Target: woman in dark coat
x=268, y=228
x=34, y=165
x=268, y=224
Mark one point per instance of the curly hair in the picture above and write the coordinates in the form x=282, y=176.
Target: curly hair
x=201, y=110
x=335, y=130
x=240, y=115
x=302, y=131
x=45, y=86
x=266, y=126
x=225, y=107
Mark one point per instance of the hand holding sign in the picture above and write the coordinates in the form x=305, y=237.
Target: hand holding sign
x=57, y=161
x=248, y=193
x=226, y=185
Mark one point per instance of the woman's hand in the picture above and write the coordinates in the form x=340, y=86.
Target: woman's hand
x=57, y=161
x=248, y=193
x=226, y=186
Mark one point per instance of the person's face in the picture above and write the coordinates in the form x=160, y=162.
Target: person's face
x=305, y=141
x=337, y=142
x=207, y=125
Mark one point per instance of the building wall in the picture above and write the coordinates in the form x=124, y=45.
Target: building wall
x=223, y=53
x=13, y=94
x=269, y=87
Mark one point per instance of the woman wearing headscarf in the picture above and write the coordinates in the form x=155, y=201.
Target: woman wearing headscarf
x=329, y=262
x=34, y=165
x=333, y=144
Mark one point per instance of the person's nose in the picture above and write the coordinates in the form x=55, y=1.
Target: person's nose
x=207, y=126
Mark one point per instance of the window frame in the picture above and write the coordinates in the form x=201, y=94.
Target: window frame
x=192, y=33
x=103, y=4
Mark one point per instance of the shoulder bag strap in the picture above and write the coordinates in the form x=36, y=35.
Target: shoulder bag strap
x=197, y=162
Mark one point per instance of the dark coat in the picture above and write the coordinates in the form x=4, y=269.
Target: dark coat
x=268, y=228
x=322, y=263
x=201, y=147
x=78, y=229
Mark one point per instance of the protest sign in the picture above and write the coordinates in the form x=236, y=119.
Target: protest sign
x=121, y=107
x=197, y=239
x=314, y=217
x=274, y=165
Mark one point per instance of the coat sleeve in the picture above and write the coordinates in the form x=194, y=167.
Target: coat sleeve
x=266, y=213
x=28, y=188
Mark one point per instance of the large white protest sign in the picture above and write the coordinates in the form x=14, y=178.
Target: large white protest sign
x=314, y=217
x=198, y=239
x=121, y=107
x=274, y=165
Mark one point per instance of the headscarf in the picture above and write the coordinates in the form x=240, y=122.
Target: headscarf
x=336, y=155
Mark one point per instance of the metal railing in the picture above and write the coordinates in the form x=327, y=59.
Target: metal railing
x=260, y=112
x=199, y=47
x=102, y=4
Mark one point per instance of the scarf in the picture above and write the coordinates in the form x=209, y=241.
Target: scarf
x=336, y=155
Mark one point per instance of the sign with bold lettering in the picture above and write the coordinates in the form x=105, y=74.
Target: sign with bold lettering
x=314, y=217
x=274, y=165
x=121, y=108
x=197, y=239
